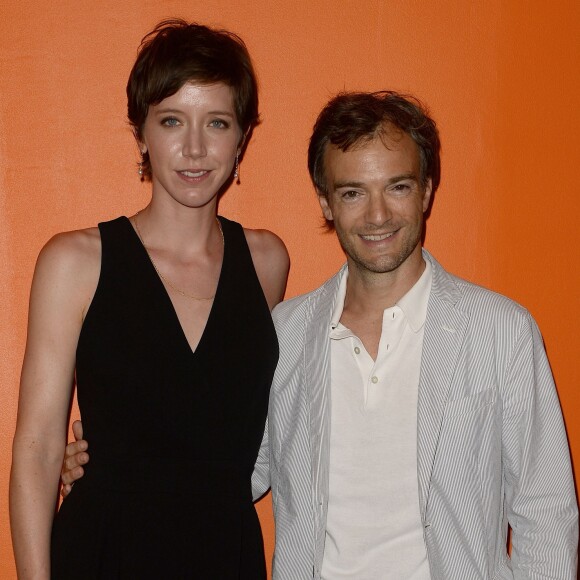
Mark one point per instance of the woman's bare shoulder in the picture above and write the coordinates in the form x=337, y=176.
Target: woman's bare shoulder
x=265, y=244
x=271, y=261
x=69, y=264
x=78, y=250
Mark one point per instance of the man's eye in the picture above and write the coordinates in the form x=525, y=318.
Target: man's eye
x=350, y=194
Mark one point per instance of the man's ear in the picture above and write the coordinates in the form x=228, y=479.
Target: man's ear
x=427, y=195
x=323, y=201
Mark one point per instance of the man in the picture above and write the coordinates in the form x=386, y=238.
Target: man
x=413, y=415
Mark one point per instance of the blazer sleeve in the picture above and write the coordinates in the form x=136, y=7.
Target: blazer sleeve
x=540, y=499
x=261, y=474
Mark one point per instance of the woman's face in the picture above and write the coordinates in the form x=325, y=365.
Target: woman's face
x=192, y=138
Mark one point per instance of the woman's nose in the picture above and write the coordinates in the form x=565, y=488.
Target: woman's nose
x=194, y=143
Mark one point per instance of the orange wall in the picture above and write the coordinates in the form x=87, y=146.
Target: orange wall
x=501, y=79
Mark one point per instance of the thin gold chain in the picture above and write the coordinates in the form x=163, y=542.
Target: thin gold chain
x=178, y=290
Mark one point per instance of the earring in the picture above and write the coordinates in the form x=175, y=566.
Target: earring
x=237, y=168
x=140, y=170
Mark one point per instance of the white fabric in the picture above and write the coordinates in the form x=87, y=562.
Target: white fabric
x=491, y=443
x=374, y=528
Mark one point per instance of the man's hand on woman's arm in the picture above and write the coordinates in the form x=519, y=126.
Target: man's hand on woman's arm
x=75, y=456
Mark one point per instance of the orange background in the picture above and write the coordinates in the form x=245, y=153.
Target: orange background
x=501, y=79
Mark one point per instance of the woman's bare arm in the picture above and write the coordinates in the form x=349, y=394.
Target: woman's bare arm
x=64, y=281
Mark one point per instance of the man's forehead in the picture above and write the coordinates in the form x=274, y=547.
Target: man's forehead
x=394, y=140
x=390, y=136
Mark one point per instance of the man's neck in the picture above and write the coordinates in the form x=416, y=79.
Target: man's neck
x=369, y=294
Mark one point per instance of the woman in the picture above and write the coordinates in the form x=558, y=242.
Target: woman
x=164, y=318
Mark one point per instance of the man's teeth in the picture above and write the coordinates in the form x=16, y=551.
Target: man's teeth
x=378, y=237
x=194, y=173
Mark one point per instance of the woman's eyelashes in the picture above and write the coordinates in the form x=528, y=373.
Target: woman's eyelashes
x=214, y=123
x=219, y=124
x=170, y=122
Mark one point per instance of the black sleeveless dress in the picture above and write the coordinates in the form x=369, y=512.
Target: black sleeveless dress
x=173, y=434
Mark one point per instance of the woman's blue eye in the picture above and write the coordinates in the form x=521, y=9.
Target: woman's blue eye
x=170, y=122
x=219, y=124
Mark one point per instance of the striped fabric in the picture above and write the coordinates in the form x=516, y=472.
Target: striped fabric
x=491, y=445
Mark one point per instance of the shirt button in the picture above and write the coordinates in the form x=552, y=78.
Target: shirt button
x=375, y=380
x=357, y=350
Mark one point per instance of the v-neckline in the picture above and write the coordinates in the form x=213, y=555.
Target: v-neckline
x=167, y=298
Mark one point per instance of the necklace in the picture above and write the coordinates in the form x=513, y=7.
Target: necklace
x=163, y=278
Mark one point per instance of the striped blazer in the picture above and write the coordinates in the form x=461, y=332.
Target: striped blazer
x=491, y=444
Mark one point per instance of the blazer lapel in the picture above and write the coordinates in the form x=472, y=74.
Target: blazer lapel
x=444, y=333
x=317, y=382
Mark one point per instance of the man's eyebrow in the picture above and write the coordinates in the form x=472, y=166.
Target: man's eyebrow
x=403, y=176
x=394, y=179
x=341, y=184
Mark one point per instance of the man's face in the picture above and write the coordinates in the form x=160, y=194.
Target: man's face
x=376, y=201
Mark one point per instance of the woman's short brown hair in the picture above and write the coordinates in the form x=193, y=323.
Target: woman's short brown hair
x=176, y=52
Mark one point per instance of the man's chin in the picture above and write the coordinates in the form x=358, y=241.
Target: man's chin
x=384, y=264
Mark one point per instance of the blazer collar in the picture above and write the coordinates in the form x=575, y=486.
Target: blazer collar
x=317, y=387
x=444, y=286
x=445, y=330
